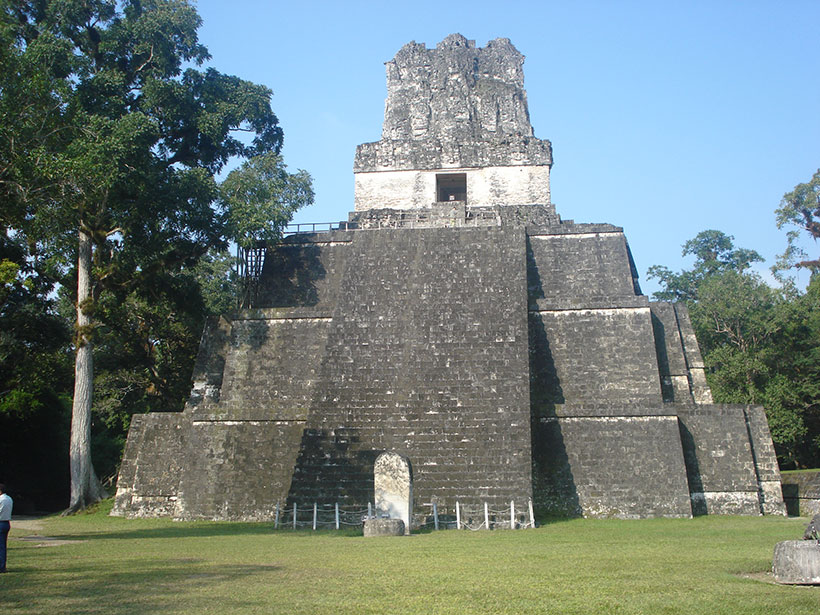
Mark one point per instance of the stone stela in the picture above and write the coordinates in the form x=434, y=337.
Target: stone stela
x=393, y=488
x=457, y=320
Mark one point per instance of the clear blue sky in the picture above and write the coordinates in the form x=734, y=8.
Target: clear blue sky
x=666, y=118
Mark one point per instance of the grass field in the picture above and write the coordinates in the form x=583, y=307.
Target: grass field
x=113, y=566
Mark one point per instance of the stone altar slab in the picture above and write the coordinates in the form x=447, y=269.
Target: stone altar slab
x=384, y=527
x=797, y=562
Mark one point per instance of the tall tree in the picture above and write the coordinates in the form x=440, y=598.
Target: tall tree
x=800, y=210
x=111, y=163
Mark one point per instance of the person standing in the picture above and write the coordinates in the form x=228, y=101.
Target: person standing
x=5, y=524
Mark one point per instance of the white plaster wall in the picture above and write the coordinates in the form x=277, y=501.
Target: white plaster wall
x=518, y=185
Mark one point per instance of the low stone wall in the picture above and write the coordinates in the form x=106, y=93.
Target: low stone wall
x=801, y=492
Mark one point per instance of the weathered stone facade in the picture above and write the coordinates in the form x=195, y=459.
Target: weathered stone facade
x=801, y=492
x=460, y=323
x=456, y=116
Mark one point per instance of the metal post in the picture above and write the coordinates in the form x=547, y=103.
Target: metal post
x=337, y=515
x=315, y=514
x=294, y=515
x=276, y=517
x=369, y=510
x=486, y=516
x=512, y=515
x=532, y=516
x=458, y=516
x=435, y=515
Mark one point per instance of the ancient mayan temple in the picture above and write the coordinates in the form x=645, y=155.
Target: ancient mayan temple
x=456, y=319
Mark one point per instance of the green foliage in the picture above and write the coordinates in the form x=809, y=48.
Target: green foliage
x=110, y=127
x=787, y=421
x=714, y=253
x=217, y=281
x=761, y=345
x=127, y=142
x=738, y=311
x=35, y=371
x=34, y=451
x=260, y=198
x=799, y=211
x=8, y=273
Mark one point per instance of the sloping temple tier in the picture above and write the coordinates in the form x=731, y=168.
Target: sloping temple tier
x=501, y=375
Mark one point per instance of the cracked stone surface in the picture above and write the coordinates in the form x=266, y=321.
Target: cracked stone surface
x=393, y=487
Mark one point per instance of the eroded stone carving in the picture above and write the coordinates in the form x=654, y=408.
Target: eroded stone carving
x=393, y=487
x=456, y=91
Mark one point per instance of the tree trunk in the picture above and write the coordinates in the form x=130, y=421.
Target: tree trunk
x=85, y=486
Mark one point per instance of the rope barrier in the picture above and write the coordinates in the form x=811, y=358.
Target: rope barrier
x=473, y=518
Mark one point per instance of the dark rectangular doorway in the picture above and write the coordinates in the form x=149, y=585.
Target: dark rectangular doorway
x=451, y=187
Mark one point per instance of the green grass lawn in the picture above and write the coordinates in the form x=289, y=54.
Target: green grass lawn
x=707, y=565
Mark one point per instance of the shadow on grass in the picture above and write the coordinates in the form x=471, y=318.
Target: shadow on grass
x=126, y=586
x=204, y=530
x=228, y=528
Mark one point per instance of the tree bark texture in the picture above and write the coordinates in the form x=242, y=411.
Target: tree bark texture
x=85, y=487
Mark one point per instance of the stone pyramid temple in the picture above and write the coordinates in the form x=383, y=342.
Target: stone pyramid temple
x=457, y=320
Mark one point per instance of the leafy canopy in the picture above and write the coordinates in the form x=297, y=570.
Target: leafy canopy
x=714, y=253
x=760, y=345
x=111, y=127
x=261, y=197
x=105, y=129
x=800, y=210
